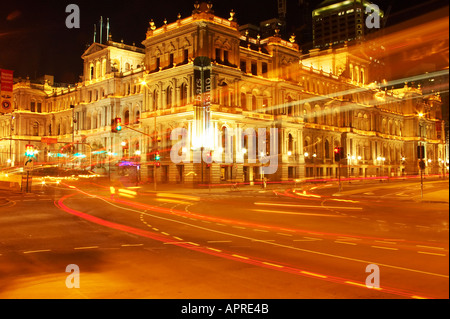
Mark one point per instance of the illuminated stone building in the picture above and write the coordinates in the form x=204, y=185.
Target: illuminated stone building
x=316, y=101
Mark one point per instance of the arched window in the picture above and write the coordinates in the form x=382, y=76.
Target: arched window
x=327, y=149
x=184, y=94
x=254, y=104
x=127, y=117
x=290, y=106
x=35, y=129
x=224, y=93
x=138, y=117
x=243, y=100
x=169, y=97
x=155, y=100
x=290, y=142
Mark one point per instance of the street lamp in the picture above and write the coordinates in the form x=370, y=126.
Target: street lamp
x=314, y=165
x=381, y=161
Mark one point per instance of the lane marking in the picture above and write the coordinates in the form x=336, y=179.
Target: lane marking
x=194, y=244
x=261, y=230
x=344, y=242
x=313, y=274
x=430, y=247
x=434, y=254
x=214, y=249
x=385, y=242
x=218, y=241
x=132, y=245
x=179, y=242
x=89, y=247
x=387, y=248
x=312, y=238
x=293, y=213
x=281, y=245
x=36, y=251
x=273, y=265
x=306, y=206
x=239, y=256
x=285, y=234
x=361, y=285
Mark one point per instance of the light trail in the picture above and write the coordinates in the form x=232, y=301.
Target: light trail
x=220, y=253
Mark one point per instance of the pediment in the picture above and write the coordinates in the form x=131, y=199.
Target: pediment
x=94, y=47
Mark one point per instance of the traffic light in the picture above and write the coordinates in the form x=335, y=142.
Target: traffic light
x=29, y=150
x=116, y=125
x=338, y=152
x=208, y=159
x=157, y=159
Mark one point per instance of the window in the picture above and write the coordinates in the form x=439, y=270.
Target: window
x=184, y=93
x=171, y=60
x=254, y=68
x=33, y=106
x=169, y=97
x=244, y=66
x=185, y=56
x=158, y=63
x=243, y=100
x=39, y=107
x=225, y=56
x=127, y=117
x=155, y=100
x=138, y=117
x=254, y=103
x=218, y=56
x=264, y=69
x=35, y=129
x=290, y=143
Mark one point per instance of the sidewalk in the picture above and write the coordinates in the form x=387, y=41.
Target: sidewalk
x=440, y=196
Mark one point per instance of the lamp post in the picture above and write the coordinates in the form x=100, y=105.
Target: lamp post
x=381, y=161
x=73, y=133
x=314, y=165
x=109, y=165
x=155, y=137
x=306, y=156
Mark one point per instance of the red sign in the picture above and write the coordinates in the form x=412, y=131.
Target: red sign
x=49, y=140
x=6, y=90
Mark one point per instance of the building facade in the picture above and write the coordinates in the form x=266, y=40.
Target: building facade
x=316, y=102
x=339, y=21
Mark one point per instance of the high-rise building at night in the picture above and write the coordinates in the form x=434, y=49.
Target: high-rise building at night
x=339, y=21
x=315, y=101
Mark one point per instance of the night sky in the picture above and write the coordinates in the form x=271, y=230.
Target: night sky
x=35, y=41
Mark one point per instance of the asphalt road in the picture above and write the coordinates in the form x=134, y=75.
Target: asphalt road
x=291, y=243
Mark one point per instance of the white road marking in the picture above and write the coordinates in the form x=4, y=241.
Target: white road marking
x=283, y=246
x=90, y=247
x=36, y=251
x=306, y=206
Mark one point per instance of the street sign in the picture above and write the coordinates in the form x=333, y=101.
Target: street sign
x=28, y=165
x=6, y=91
x=49, y=140
x=422, y=164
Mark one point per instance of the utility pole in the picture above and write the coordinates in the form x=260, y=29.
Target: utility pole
x=73, y=134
